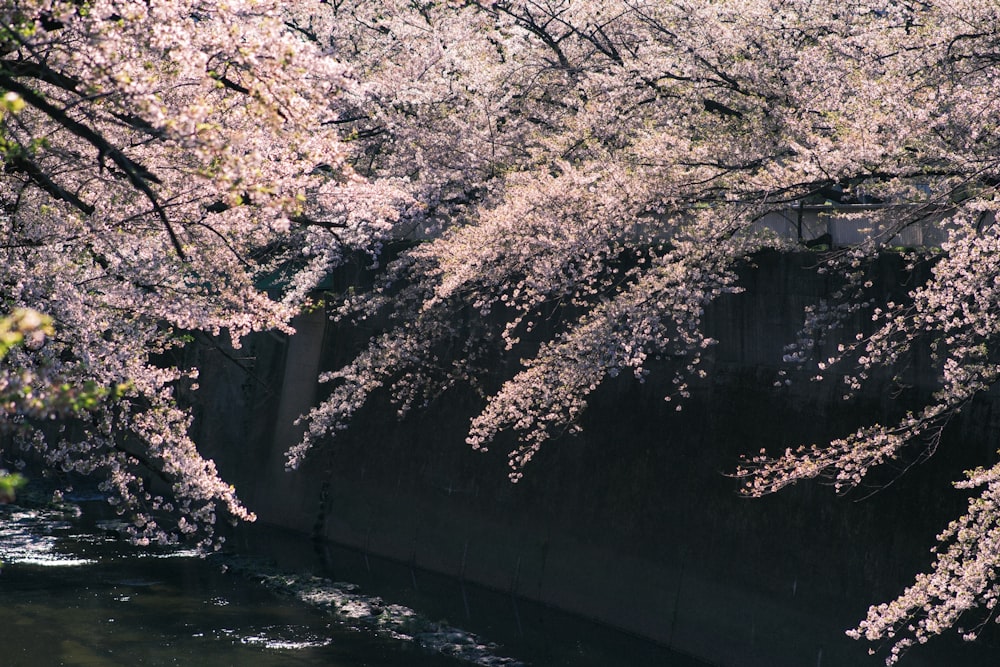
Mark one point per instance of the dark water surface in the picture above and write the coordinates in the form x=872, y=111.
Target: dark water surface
x=73, y=596
x=72, y=593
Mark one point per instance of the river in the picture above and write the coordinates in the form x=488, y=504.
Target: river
x=75, y=594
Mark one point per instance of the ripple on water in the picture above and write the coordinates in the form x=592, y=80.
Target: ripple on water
x=44, y=538
x=346, y=603
x=30, y=537
x=276, y=637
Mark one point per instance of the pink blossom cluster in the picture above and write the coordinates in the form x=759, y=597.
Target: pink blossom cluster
x=160, y=160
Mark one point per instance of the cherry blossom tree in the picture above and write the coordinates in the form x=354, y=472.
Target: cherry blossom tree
x=591, y=174
x=160, y=159
x=580, y=180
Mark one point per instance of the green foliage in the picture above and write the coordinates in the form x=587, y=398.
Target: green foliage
x=9, y=485
x=22, y=323
x=11, y=102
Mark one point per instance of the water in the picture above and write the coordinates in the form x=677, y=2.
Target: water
x=72, y=593
x=78, y=596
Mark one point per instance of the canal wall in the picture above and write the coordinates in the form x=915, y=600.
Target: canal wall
x=635, y=522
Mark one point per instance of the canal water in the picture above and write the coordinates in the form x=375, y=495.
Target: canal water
x=73, y=593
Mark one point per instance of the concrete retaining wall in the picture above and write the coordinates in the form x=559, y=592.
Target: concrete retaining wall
x=634, y=523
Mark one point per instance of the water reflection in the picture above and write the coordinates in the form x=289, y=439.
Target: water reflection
x=29, y=537
x=535, y=634
x=73, y=594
